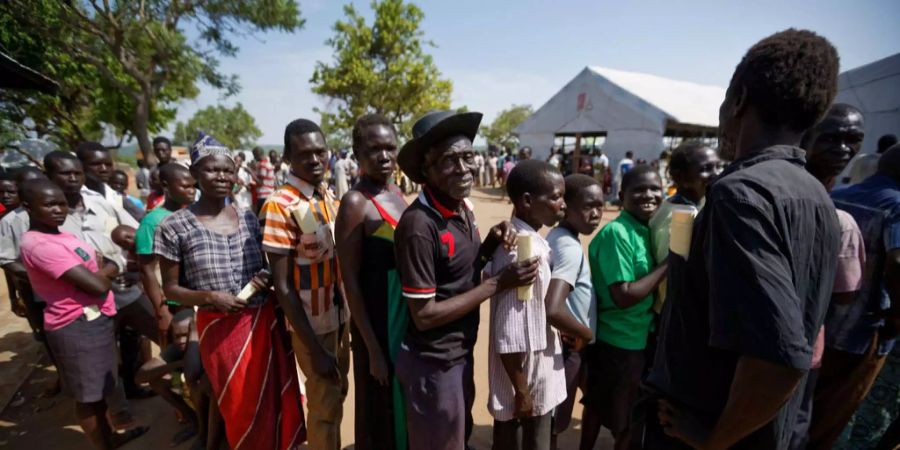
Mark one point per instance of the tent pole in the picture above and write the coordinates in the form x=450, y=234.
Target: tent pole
x=576, y=161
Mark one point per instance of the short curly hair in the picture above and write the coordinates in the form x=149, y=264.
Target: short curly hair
x=367, y=121
x=790, y=77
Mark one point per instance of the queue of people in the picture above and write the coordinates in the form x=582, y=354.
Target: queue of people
x=755, y=308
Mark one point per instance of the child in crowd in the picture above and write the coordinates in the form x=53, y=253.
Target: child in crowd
x=156, y=197
x=118, y=180
x=570, y=283
x=9, y=193
x=178, y=191
x=78, y=319
x=168, y=370
x=624, y=279
x=527, y=380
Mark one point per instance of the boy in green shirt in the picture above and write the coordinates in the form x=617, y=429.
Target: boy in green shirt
x=179, y=188
x=624, y=279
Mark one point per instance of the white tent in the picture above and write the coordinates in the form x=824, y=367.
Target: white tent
x=634, y=111
x=875, y=89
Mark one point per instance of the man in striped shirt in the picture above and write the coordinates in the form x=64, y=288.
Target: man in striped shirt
x=265, y=177
x=298, y=220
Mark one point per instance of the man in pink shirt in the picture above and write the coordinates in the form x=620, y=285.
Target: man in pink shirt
x=78, y=320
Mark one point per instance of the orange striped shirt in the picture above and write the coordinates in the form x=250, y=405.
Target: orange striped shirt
x=298, y=221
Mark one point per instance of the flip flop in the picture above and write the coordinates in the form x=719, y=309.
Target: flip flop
x=182, y=436
x=121, y=439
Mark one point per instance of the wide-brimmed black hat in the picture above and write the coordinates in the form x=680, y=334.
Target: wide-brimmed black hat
x=429, y=130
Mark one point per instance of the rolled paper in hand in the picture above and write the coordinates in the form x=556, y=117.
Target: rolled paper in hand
x=523, y=250
x=680, y=229
x=252, y=287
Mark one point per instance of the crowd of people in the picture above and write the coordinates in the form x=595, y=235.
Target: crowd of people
x=752, y=307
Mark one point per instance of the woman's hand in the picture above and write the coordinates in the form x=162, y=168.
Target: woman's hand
x=225, y=302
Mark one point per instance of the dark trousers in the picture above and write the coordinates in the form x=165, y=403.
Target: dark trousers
x=133, y=321
x=439, y=399
x=843, y=382
x=574, y=379
x=374, y=424
x=531, y=433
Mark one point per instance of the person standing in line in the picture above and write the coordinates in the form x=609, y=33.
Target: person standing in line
x=625, y=277
x=527, y=378
x=571, y=286
x=479, y=169
x=860, y=336
x=297, y=237
x=743, y=311
x=342, y=169
x=439, y=260
x=142, y=179
x=118, y=181
x=79, y=324
x=98, y=168
x=180, y=191
x=162, y=149
x=265, y=178
x=244, y=185
x=209, y=254
x=693, y=166
x=156, y=197
x=865, y=165
x=491, y=166
x=625, y=164
x=829, y=146
x=364, y=232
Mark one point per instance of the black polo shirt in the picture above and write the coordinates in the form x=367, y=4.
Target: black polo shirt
x=757, y=283
x=437, y=251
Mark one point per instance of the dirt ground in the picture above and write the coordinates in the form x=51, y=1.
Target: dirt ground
x=31, y=421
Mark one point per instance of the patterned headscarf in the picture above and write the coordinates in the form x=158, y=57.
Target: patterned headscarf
x=206, y=145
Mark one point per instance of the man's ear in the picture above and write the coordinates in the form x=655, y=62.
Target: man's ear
x=526, y=200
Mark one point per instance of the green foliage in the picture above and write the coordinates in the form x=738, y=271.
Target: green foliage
x=500, y=131
x=234, y=127
x=125, y=64
x=380, y=68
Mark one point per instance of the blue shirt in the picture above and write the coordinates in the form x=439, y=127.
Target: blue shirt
x=875, y=205
x=570, y=264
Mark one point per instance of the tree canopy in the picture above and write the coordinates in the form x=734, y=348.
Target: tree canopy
x=500, y=131
x=124, y=65
x=234, y=127
x=379, y=68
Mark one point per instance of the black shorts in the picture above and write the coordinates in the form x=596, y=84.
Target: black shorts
x=613, y=383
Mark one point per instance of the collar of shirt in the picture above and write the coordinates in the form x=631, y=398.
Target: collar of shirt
x=428, y=199
x=306, y=188
x=627, y=217
x=789, y=153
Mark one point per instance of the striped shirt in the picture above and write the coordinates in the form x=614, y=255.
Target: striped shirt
x=265, y=176
x=298, y=220
x=522, y=327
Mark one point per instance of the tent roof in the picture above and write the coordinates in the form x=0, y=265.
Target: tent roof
x=682, y=101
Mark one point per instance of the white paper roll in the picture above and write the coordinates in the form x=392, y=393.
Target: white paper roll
x=680, y=229
x=523, y=250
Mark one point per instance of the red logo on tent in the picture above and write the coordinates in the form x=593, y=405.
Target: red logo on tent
x=581, y=100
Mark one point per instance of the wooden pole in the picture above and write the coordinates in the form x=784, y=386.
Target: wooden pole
x=576, y=161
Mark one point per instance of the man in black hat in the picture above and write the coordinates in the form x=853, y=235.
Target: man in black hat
x=439, y=260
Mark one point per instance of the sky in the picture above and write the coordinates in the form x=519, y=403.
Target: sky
x=500, y=53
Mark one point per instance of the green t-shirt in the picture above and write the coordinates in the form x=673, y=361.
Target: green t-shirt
x=621, y=252
x=143, y=238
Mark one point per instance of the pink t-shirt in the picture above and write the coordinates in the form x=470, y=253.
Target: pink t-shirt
x=47, y=257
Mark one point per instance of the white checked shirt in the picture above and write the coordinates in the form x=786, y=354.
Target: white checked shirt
x=521, y=327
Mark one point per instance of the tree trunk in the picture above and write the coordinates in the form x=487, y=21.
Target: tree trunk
x=141, y=132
